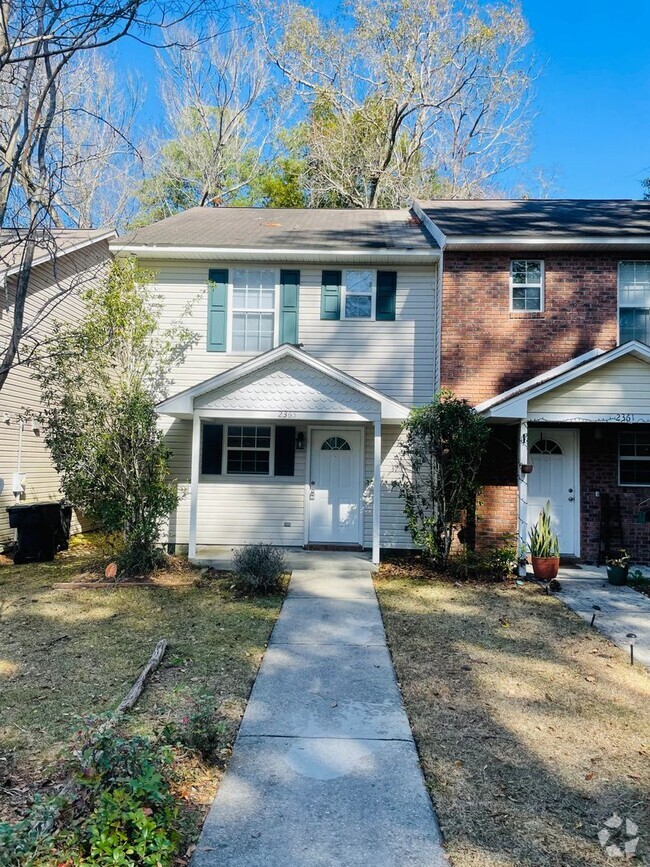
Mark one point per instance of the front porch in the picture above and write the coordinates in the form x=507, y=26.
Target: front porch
x=579, y=437
x=285, y=449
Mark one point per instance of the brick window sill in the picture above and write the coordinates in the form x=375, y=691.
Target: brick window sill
x=523, y=314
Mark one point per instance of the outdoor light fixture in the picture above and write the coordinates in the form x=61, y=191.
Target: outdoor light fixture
x=597, y=610
x=36, y=425
x=631, y=637
x=300, y=442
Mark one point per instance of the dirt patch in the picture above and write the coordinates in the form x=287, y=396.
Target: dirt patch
x=532, y=728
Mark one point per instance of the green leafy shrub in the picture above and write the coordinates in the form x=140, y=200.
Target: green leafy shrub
x=439, y=457
x=258, y=569
x=495, y=564
x=202, y=731
x=99, y=392
x=121, y=809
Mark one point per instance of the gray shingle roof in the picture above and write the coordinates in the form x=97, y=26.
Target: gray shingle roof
x=289, y=228
x=568, y=218
x=52, y=244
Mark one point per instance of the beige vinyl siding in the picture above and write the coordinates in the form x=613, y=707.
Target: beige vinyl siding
x=622, y=386
x=397, y=357
x=234, y=511
x=48, y=295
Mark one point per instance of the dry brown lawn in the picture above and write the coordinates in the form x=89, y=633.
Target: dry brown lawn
x=66, y=654
x=532, y=728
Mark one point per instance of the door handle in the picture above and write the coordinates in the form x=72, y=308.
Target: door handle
x=571, y=499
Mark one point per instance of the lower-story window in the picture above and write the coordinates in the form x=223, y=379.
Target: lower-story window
x=634, y=458
x=248, y=449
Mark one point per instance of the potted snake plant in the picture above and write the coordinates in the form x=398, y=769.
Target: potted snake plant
x=544, y=547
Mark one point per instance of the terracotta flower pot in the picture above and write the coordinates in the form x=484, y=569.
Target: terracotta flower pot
x=545, y=568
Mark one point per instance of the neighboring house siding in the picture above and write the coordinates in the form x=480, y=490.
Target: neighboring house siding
x=21, y=392
x=619, y=387
x=487, y=349
x=397, y=357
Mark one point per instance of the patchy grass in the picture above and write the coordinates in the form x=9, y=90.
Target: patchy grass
x=532, y=728
x=69, y=653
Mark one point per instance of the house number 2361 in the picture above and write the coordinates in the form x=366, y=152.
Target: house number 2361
x=286, y=414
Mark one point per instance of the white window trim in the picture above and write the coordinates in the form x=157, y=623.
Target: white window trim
x=542, y=285
x=344, y=293
x=276, y=308
x=620, y=306
x=224, y=458
x=621, y=458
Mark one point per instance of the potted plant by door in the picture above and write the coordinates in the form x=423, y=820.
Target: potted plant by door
x=617, y=568
x=544, y=547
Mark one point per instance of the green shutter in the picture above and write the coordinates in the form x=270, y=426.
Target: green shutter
x=289, y=288
x=217, y=309
x=330, y=298
x=386, y=292
x=285, y=451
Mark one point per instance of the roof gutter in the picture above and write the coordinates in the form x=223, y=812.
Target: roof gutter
x=545, y=241
x=152, y=251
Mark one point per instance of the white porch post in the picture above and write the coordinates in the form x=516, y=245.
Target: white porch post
x=522, y=490
x=376, y=495
x=194, y=482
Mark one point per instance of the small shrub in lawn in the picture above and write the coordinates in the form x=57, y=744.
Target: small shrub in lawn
x=258, y=569
x=201, y=731
x=120, y=809
x=495, y=564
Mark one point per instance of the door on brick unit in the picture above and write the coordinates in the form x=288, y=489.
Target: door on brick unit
x=554, y=456
x=335, y=489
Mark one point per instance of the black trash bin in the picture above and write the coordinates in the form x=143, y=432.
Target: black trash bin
x=43, y=529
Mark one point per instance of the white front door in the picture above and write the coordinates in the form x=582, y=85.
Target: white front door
x=335, y=486
x=554, y=456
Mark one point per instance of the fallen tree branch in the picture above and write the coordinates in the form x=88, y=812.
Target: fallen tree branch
x=136, y=690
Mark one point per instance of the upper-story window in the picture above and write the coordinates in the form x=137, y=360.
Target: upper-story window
x=634, y=301
x=253, y=309
x=358, y=293
x=527, y=285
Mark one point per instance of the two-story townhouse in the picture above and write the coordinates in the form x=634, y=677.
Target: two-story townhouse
x=545, y=328
x=66, y=263
x=320, y=329
x=318, y=332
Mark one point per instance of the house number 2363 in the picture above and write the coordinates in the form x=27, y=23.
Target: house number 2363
x=286, y=414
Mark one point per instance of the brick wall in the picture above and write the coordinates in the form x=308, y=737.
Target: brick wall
x=486, y=349
x=496, y=515
x=599, y=473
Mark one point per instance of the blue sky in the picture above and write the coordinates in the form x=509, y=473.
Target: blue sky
x=593, y=97
x=592, y=130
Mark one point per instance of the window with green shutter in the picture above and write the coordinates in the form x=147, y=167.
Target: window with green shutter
x=289, y=292
x=386, y=295
x=217, y=309
x=330, y=299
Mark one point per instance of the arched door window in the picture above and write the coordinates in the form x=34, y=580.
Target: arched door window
x=546, y=447
x=335, y=444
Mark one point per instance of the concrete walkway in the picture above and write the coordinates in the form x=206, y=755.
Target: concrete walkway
x=324, y=769
x=623, y=609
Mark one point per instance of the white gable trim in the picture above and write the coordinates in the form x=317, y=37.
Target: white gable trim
x=60, y=252
x=513, y=404
x=182, y=404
